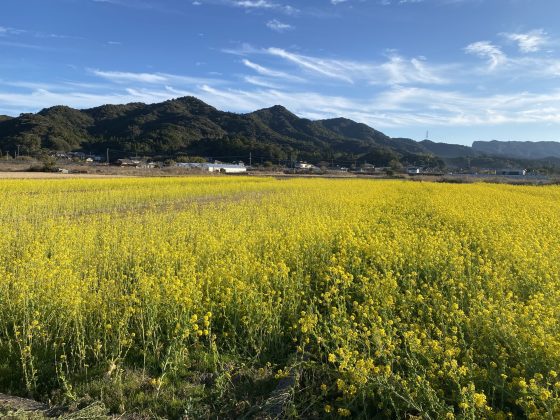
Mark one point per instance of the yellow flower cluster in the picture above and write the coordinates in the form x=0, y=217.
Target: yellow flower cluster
x=392, y=298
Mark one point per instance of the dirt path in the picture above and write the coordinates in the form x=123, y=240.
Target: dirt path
x=49, y=175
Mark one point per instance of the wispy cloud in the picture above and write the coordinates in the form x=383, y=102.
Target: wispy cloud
x=255, y=4
x=43, y=98
x=529, y=42
x=396, y=70
x=150, y=78
x=4, y=30
x=146, y=5
x=264, y=4
x=330, y=68
x=120, y=77
x=265, y=71
x=491, y=52
x=262, y=82
x=399, y=70
x=391, y=2
x=278, y=26
x=27, y=46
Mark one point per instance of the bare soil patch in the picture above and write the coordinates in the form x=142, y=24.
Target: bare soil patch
x=49, y=175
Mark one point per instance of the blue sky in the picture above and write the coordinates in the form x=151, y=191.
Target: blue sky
x=463, y=70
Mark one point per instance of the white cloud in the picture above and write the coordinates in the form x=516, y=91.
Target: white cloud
x=119, y=76
x=149, y=78
x=486, y=49
x=265, y=71
x=42, y=98
x=404, y=71
x=529, y=42
x=460, y=109
x=278, y=26
x=261, y=82
x=264, y=4
x=26, y=46
x=329, y=68
x=255, y=4
x=145, y=5
x=4, y=30
x=391, y=2
x=397, y=70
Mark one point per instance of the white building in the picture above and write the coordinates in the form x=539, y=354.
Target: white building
x=305, y=165
x=413, y=170
x=227, y=168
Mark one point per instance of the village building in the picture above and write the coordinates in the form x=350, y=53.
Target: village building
x=129, y=162
x=305, y=165
x=228, y=168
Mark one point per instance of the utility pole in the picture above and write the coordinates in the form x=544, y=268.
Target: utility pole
x=107, y=155
x=18, y=146
x=250, y=159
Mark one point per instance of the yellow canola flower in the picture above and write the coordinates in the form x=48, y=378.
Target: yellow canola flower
x=429, y=292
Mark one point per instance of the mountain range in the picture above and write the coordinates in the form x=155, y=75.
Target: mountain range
x=188, y=126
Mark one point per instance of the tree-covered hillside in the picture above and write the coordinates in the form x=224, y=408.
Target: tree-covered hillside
x=190, y=126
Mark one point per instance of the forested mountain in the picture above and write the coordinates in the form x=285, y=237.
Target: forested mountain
x=190, y=126
x=447, y=150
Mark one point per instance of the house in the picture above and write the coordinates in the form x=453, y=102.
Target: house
x=128, y=162
x=413, y=170
x=76, y=155
x=304, y=165
x=147, y=165
x=227, y=168
x=61, y=155
x=367, y=168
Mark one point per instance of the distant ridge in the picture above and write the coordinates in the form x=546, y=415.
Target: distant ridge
x=519, y=149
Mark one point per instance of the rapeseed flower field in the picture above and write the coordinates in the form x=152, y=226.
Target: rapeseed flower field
x=198, y=296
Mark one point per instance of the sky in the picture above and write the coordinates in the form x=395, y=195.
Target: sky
x=456, y=71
